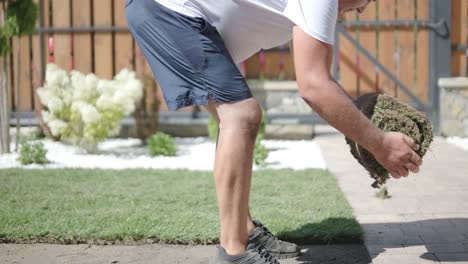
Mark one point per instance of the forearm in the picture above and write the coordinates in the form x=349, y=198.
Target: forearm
x=333, y=104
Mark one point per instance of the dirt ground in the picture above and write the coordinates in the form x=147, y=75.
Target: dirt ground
x=161, y=254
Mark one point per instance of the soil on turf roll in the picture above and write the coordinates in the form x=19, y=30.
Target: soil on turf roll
x=390, y=115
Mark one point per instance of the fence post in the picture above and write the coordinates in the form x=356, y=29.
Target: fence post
x=439, y=56
x=336, y=56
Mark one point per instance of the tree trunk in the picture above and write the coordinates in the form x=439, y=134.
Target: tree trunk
x=4, y=112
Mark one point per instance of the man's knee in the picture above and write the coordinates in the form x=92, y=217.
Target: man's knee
x=246, y=114
x=253, y=117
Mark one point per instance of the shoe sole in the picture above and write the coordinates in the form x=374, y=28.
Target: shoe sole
x=285, y=255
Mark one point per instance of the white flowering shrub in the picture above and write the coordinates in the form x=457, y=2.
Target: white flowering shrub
x=84, y=109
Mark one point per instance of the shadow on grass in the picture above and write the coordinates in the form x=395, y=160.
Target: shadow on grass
x=330, y=230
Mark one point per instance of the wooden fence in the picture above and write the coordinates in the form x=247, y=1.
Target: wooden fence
x=404, y=51
x=459, y=37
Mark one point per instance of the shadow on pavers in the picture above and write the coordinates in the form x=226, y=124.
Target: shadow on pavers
x=331, y=241
x=333, y=254
x=442, y=239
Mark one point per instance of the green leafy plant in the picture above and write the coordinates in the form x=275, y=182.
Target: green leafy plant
x=161, y=144
x=21, y=17
x=260, y=152
x=32, y=151
x=6, y=32
x=26, y=12
x=212, y=129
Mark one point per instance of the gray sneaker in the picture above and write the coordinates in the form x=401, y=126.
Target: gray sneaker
x=251, y=256
x=261, y=237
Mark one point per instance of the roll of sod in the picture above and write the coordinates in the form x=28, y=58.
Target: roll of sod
x=389, y=114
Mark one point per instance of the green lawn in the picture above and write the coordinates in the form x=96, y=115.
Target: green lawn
x=173, y=206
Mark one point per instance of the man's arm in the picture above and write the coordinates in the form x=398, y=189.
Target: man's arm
x=312, y=60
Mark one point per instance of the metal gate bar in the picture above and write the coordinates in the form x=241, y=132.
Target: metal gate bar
x=439, y=57
x=429, y=24
x=81, y=29
x=381, y=67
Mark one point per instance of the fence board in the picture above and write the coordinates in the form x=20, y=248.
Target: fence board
x=271, y=68
x=456, y=36
x=103, y=61
x=123, y=40
x=387, y=46
x=368, y=41
x=62, y=48
x=459, y=36
x=423, y=53
x=36, y=81
x=464, y=37
x=272, y=65
x=348, y=58
x=10, y=73
x=406, y=48
x=36, y=63
x=46, y=23
x=252, y=67
x=289, y=70
x=82, y=42
x=273, y=62
x=24, y=97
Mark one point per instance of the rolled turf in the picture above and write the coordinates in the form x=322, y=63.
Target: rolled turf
x=390, y=115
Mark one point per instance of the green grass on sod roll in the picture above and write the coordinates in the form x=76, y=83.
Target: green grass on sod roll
x=167, y=206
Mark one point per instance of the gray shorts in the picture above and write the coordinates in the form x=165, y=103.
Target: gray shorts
x=186, y=54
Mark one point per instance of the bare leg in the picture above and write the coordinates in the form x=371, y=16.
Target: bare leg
x=250, y=224
x=211, y=108
x=238, y=127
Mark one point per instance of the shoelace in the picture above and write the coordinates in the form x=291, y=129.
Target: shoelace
x=264, y=254
x=269, y=233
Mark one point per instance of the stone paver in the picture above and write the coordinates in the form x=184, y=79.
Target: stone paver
x=161, y=254
x=425, y=220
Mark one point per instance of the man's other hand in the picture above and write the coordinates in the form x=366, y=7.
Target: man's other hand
x=397, y=154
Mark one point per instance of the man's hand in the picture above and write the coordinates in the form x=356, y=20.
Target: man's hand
x=312, y=59
x=397, y=154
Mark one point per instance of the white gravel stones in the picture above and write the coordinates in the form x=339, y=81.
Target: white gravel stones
x=459, y=142
x=192, y=154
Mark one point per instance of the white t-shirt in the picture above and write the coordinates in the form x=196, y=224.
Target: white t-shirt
x=247, y=26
